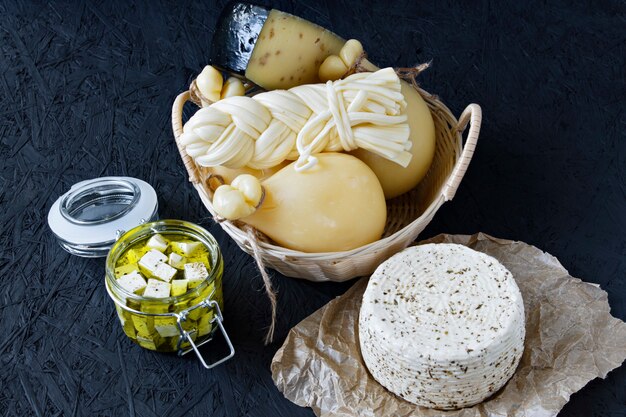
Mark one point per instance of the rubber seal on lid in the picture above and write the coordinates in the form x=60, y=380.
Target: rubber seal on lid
x=89, y=218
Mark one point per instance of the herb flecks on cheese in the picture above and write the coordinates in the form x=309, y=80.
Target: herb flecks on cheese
x=195, y=273
x=442, y=325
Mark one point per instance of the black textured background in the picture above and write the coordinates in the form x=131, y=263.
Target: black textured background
x=86, y=89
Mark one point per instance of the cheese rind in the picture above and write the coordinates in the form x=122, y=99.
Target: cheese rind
x=442, y=325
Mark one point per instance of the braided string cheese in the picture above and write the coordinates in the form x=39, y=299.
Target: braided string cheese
x=364, y=110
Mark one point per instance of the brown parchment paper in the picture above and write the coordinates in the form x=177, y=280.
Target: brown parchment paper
x=571, y=338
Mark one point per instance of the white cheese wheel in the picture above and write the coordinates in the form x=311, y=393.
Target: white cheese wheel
x=442, y=325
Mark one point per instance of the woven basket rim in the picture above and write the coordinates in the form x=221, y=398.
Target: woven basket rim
x=471, y=115
x=281, y=251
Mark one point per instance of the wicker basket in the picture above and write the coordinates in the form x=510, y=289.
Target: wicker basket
x=407, y=215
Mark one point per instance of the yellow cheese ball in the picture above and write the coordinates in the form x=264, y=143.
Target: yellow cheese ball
x=337, y=205
x=395, y=179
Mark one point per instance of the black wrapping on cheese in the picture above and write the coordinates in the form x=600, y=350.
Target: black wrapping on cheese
x=236, y=34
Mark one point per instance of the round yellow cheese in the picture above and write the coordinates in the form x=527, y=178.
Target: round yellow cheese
x=395, y=179
x=336, y=205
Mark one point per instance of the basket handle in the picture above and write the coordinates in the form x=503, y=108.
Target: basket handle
x=472, y=115
x=177, y=127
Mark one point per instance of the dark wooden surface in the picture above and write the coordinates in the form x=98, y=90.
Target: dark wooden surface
x=86, y=89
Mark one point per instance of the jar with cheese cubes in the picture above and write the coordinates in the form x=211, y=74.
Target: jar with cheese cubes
x=164, y=276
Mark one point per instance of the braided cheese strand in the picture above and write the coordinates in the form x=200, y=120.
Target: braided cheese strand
x=364, y=110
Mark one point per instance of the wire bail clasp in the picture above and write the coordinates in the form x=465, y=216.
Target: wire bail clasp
x=185, y=336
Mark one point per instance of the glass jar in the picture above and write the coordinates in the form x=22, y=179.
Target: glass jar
x=90, y=220
x=179, y=323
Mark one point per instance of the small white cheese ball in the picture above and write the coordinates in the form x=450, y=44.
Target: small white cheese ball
x=233, y=87
x=239, y=199
x=209, y=82
x=350, y=52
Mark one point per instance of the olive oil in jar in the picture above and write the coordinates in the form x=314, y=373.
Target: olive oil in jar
x=158, y=274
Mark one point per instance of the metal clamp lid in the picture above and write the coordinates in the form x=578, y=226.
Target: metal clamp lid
x=88, y=218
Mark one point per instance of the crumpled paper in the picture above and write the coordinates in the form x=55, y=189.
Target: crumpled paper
x=571, y=338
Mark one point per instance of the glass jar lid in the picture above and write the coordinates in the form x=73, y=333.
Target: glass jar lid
x=88, y=219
